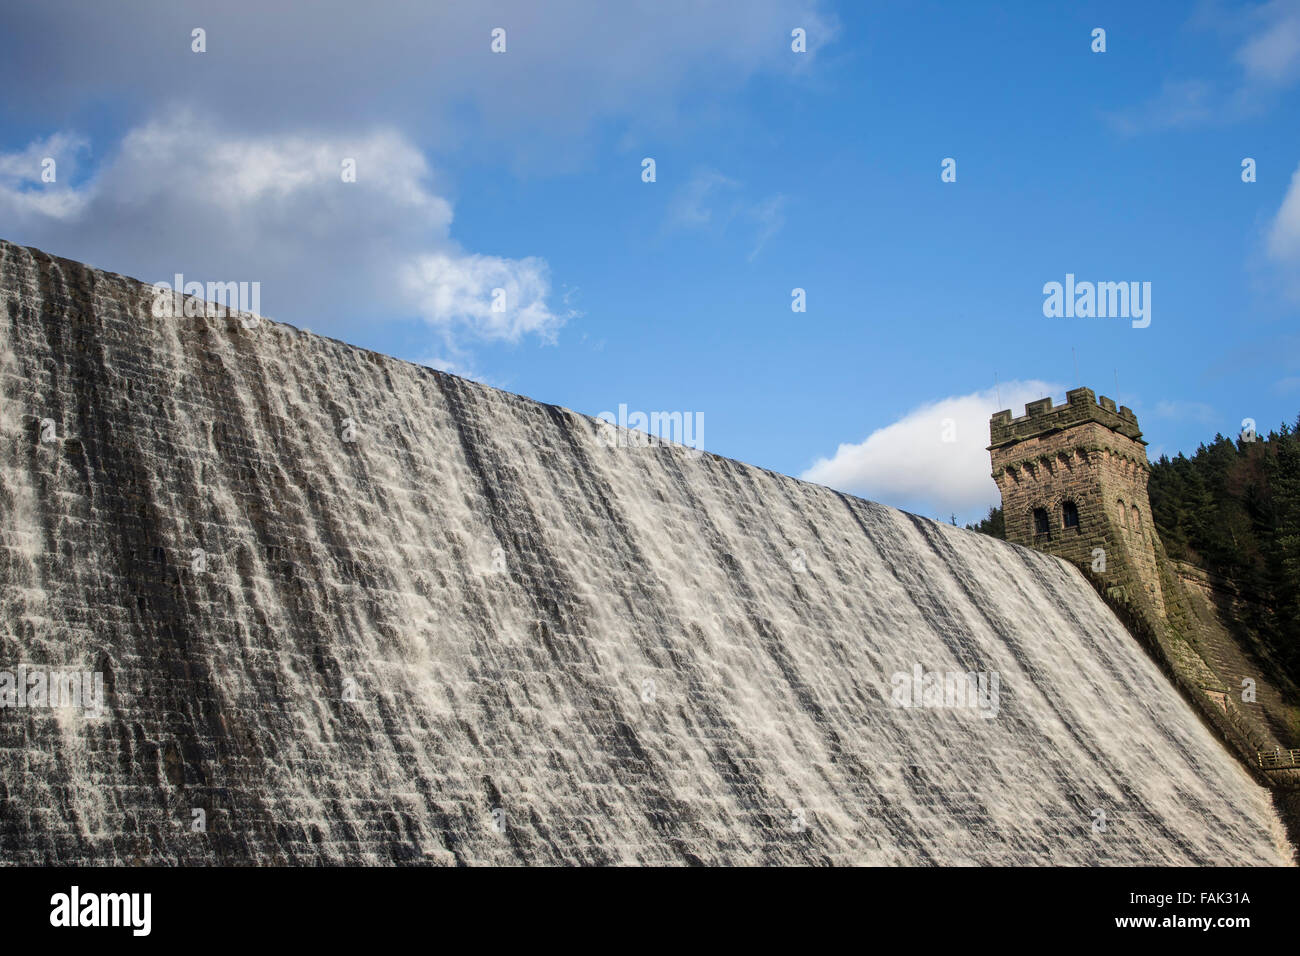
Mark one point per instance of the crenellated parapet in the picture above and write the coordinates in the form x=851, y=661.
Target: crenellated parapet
x=1042, y=417
x=1073, y=479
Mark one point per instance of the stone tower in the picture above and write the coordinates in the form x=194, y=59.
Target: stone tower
x=1074, y=480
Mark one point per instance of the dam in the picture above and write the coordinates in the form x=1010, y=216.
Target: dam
x=351, y=610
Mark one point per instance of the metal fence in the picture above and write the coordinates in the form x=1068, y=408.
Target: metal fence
x=1278, y=758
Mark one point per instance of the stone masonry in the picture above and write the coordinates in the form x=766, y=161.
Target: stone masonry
x=1074, y=483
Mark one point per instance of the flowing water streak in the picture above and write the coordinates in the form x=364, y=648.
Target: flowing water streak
x=476, y=633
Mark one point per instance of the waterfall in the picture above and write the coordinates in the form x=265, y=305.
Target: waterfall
x=347, y=609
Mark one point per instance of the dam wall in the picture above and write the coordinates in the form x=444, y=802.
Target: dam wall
x=346, y=609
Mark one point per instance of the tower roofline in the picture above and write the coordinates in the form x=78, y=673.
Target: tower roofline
x=1042, y=418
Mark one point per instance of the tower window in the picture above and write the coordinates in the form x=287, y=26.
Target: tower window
x=1123, y=514
x=1040, y=521
x=1070, y=514
x=1137, y=520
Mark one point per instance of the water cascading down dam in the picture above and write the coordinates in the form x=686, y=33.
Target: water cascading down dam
x=347, y=609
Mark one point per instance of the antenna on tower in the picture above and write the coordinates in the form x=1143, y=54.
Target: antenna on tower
x=1117, y=401
x=997, y=388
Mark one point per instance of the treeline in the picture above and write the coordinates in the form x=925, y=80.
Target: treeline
x=992, y=525
x=1233, y=508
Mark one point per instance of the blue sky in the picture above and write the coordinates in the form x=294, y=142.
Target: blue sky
x=522, y=170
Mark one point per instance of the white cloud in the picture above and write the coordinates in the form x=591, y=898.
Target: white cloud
x=909, y=464
x=1179, y=103
x=1268, y=60
x=423, y=66
x=1271, y=55
x=23, y=192
x=237, y=194
x=711, y=201
x=180, y=195
x=1284, y=234
x=691, y=205
x=768, y=218
x=460, y=367
x=451, y=289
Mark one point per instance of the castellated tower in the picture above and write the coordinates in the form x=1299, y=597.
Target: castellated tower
x=1073, y=480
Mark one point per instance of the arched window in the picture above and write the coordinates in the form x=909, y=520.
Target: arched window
x=1123, y=514
x=1070, y=514
x=1137, y=520
x=1040, y=521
